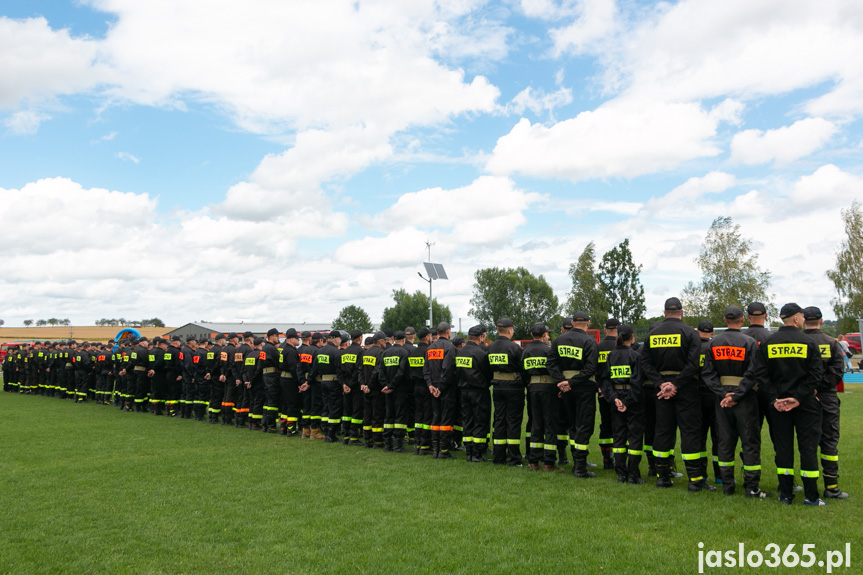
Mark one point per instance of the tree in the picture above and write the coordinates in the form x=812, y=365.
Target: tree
x=618, y=276
x=66, y=321
x=2, y=322
x=41, y=322
x=155, y=322
x=28, y=322
x=513, y=293
x=729, y=274
x=53, y=321
x=586, y=293
x=846, y=276
x=413, y=310
x=353, y=317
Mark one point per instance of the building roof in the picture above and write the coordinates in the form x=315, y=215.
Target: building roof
x=240, y=327
x=79, y=333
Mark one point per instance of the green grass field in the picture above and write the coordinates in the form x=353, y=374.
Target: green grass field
x=89, y=489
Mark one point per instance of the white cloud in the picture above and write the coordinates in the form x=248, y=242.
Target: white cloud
x=783, y=145
x=539, y=102
x=127, y=157
x=25, y=122
x=680, y=201
x=827, y=188
x=596, y=21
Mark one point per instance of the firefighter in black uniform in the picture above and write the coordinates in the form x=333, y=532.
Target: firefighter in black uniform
x=834, y=366
x=374, y=405
x=422, y=397
x=410, y=339
x=202, y=380
x=708, y=408
x=788, y=368
x=325, y=371
x=504, y=359
x=395, y=385
x=289, y=380
x=474, y=378
x=305, y=352
x=544, y=403
x=620, y=381
x=136, y=369
x=670, y=360
x=243, y=399
x=727, y=359
x=68, y=369
x=83, y=368
x=188, y=355
x=441, y=379
x=215, y=384
x=316, y=401
x=272, y=387
x=757, y=314
x=253, y=381
x=230, y=378
x=606, y=437
x=352, y=398
x=158, y=374
x=173, y=375
x=572, y=362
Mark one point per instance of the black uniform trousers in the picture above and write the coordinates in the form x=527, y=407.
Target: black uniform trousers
x=353, y=404
x=443, y=418
x=291, y=408
x=508, y=416
x=830, y=439
x=544, y=423
x=683, y=411
x=81, y=381
x=389, y=416
x=229, y=401
x=742, y=421
x=400, y=399
x=606, y=428
x=331, y=415
x=708, y=427
x=187, y=397
x=315, y=405
x=422, y=415
x=158, y=392
x=648, y=394
x=272, y=399
x=805, y=420
x=256, y=397
x=374, y=408
x=628, y=433
x=475, y=413
x=580, y=403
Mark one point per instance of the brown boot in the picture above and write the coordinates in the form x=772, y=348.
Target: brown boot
x=306, y=433
x=316, y=433
x=552, y=468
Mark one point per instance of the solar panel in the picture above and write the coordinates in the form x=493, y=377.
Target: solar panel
x=441, y=274
x=435, y=271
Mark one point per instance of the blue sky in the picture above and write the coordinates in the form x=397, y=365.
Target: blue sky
x=172, y=159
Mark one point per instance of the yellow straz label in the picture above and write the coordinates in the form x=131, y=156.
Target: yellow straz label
x=322, y=358
x=825, y=351
x=211, y=355
x=701, y=360
x=786, y=350
x=152, y=358
x=167, y=357
x=603, y=357
x=498, y=359
x=569, y=351
x=416, y=361
x=672, y=340
x=534, y=363
x=349, y=358
x=392, y=361
x=250, y=361
x=369, y=360
x=621, y=371
x=464, y=362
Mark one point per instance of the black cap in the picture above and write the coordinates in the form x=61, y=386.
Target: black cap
x=248, y=334
x=673, y=304
x=410, y=331
x=733, y=312
x=443, y=326
x=191, y=338
x=580, y=316
x=625, y=331
x=291, y=333
x=476, y=330
x=538, y=328
x=306, y=334
x=378, y=335
x=705, y=326
x=424, y=331
x=653, y=325
x=612, y=323
x=567, y=323
x=756, y=308
x=219, y=336
x=233, y=335
x=457, y=340
x=811, y=313
x=504, y=322
x=399, y=335
x=334, y=334
x=272, y=331
x=356, y=333
x=389, y=332
x=789, y=310
x=139, y=340
x=176, y=338
x=258, y=340
x=368, y=341
x=317, y=336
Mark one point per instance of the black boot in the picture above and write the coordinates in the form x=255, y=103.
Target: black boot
x=663, y=472
x=398, y=445
x=388, y=443
x=435, y=449
x=619, y=466
x=579, y=469
x=632, y=469
x=607, y=461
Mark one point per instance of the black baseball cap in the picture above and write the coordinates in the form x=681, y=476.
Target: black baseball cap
x=580, y=316
x=567, y=323
x=705, y=326
x=811, y=313
x=756, y=308
x=538, y=328
x=389, y=332
x=258, y=340
x=410, y=331
x=233, y=335
x=399, y=335
x=378, y=335
x=176, y=338
x=476, y=330
x=443, y=326
x=191, y=338
x=733, y=312
x=356, y=333
x=317, y=336
x=306, y=334
x=219, y=336
x=625, y=331
x=424, y=331
x=248, y=334
x=457, y=340
x=335, y=334
x=789, y=310
x=612, y=323
x=272, y=331
x=504, y=322
x=673, y=304
x=291, y=333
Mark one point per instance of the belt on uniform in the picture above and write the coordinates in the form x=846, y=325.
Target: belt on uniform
x=541, y=379
x=288, y=374
x=647, y=383
x=570, y=373
x=670, y=372
x=621, y=386
x=731, y=380
x=68, y=365
x=503, y=376
x=327, y=377
x=140, y=368
x=269, y=370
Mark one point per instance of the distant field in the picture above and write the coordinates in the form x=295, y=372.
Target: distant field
x=89, y=489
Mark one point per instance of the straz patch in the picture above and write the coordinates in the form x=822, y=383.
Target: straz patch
x=498, y=359
x=322, y=358
x=621, y=372
x=534, y=362
x=825, y=351
x=392, y=361
x=672, y=340
x=223, y=356
x=416, y=361
x=434, y=353
x=603, y=357
x=464, y=362
x=729, y=353
x=305, y=358
x=250, y=360
x=349, y=358
x=369, y=360
x=786, y=350
x=569, y=351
